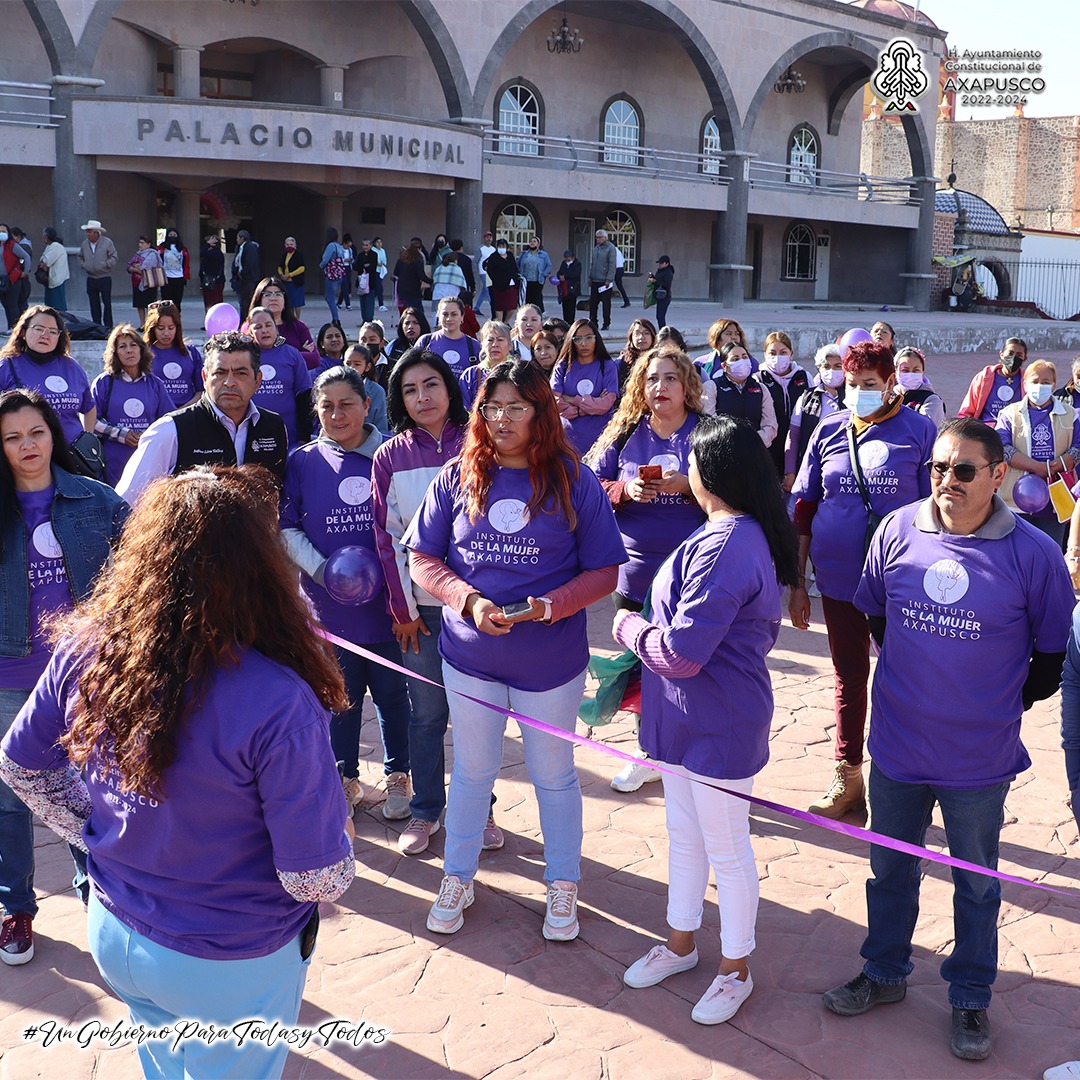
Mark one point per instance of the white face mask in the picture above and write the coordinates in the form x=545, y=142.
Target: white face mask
x=1039, y=393
x=739, y=369
x=778, y=365
x=3, y=237
x=832, y=377
x=910, y=380
x=862, y=403
x=502, y=251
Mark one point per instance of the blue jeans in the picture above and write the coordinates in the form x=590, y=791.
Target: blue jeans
x=478, y=756
x=161, y=986
x=973, y=820
x=17, y=833
x=331, y=294
x=483, y=295
x=367, y=306
x=391, y=697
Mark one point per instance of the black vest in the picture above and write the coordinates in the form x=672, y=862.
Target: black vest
x=745, y=404
x=783, y=402
x=811, y=417
x=202, y=439
x=914, y=398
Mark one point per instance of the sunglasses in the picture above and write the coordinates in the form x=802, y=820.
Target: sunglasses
x=962, y=470
x=161, y=305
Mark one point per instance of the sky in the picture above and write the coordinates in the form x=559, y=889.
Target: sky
x=1046, y=25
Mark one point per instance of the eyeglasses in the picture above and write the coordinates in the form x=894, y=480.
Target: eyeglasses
x=513, y=413
x=45, y=331
x=581, y=339
x=272, y=294
x=962, y=470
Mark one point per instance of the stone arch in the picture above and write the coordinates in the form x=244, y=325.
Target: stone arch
x=682, y=28
x=922, y=157
x=444, y=56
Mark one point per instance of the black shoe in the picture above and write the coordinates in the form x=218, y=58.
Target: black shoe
x=861, y=995
x=606, y=326
x=627, y=304
x=970, y=1034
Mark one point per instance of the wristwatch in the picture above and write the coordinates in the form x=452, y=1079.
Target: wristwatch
x=546, y=601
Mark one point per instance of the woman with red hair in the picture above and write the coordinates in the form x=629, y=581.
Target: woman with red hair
x=516, y=539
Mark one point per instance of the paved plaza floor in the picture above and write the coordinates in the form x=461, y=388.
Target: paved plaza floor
x=497, y=1001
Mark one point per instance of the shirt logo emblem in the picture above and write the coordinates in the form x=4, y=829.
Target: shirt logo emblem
x=946, y=581
x=56, y=384
x=508, y=515
x=873, y=455
x=48, y=547
x=354, y=490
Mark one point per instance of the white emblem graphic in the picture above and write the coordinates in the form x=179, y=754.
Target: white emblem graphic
x=56, y=383
x=873, y=455
x=1040, y=436
x=354, y=490
x=268, y=372
x=584, y=387
x=946, y=581
x=900, y=77
x=1005, y=393
x=45, y=541
x=134, y=407
x=451, y=356
x=665, y=461
x=508, y=515
x=172, y=370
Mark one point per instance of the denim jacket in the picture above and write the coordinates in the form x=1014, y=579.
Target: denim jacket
x=86, y=519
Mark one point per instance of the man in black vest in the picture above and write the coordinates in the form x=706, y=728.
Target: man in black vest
x=221, y=428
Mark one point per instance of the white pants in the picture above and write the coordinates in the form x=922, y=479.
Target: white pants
x=708, y=828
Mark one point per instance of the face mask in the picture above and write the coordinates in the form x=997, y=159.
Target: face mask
x=862, y=402
x=739, y=369
x=172, y=241
x=832, y=377
x=778, y=365
x=1039, y=393
x=910, y=380
x=1011, y=364
x=3, y=237
x=502, y=251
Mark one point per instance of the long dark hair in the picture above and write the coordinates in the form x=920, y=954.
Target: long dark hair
x=288, y=314
x=425, y=327
x=16, y=344
x=164, y=618
x=735, y=467
x=111, y=362
x=569, y=349
x=553, y=464
x=398, y=414
x=158, y=310
x=12, y=401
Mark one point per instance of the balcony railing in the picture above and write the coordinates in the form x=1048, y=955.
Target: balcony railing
x=18, y=101
x=548, y=151
x=776, y=176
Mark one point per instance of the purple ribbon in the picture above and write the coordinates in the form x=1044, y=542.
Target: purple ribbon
x=853, y=831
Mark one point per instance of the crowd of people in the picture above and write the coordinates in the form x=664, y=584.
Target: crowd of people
x=491, y=487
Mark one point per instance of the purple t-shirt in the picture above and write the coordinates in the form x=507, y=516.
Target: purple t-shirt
x=472, y=380
x=61, y=381
x=133, y=405
x=1042, y=440
x=1005, y=390
x=284, y=375
x=458, y=353
x=586, y=380
x=506, y=555
x=893, y=455
x=963, y=614
x=652, y=530
x=718, y=601
x=182, y=375
x=327, y=495
x=253, y=789
x=50, y=590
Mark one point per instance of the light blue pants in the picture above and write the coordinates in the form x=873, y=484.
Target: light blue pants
x=478, y=755
x=161, y=987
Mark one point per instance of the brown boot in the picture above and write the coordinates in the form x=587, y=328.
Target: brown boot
x=846, y=794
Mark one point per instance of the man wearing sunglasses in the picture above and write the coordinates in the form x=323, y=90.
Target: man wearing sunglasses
x=966, y=647
x=222, y=428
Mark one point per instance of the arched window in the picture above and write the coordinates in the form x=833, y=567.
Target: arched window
x=622, y=128
x=519, y=109
x=803, y=154
x=800, y=252
x=711, y=153
x=622, y=231
x=517, y=224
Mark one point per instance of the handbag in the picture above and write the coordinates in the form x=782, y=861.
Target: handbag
x=335, y=268
x=41, y=275
x=87, y=452
x=650, y=294
x=153, y=278
x=873, y=520
x=363, y=284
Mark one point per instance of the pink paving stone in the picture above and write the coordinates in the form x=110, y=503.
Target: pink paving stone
x=484, y=1033
x=554, y=1059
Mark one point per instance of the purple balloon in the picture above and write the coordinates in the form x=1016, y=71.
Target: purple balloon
x=853, y=337
x=1031, y=493
x=221, y=318
x=353, y=575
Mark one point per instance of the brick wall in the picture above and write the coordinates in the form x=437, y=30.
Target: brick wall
x=944, y=226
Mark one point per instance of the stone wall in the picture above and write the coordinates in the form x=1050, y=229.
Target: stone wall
x=944, y=228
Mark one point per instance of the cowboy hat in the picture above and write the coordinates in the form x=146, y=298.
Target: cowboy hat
x=95, y=225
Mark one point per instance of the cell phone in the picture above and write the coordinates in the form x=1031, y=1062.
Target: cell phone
x=650, y=472
x=517, y=609
x=309, y=934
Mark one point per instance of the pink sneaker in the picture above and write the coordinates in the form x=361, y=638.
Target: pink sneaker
x=493, y=835
x=415, y=836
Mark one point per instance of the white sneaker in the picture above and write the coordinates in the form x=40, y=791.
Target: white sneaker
x=448, y=912
x=560, y=920
x=723, y=998
x=656, y=965
x=383, y=307
x=634, y=774
x=1069, y=1071
x=398, y=797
